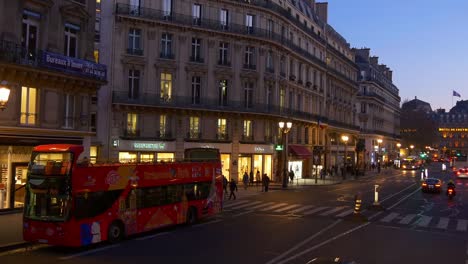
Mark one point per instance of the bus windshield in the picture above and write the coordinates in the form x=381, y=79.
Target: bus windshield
x=50, y=163
x=47, y=198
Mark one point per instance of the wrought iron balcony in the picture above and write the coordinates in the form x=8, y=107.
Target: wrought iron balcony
x=250, y=66
x=137, y=52
x=222, y=136
x=246, y=138
x=372, y=95
x=164, y=135
x=167, y=55
x=196, y=59
x=131, y=133
x=11, y=52
x=224, y=63
x=193, y=135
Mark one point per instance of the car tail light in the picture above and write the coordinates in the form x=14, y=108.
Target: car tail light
x=450, y=191
x=437, y=185
x=424, y=184
x=458, y=173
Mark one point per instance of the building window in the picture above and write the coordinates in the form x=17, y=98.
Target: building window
x=196, y=14
x=282, y=100
x=249, y=23
x=166, y=86
x=135, y=7
x=248, y=95
x=299, y=102
x=166, y=46
x=30, y=35
x=134, y=42
x=249, y=56
x=71, y=40
x=363, y=108
x=93, y=122
x=132, y=125
x=247, y=129
x=223, y=93
x=196, y=89
x=194, y=127
x=291, y=99
x=133, y=84
x=93, y=153
x=223, y=53
x=162, y=125
x=69, y=111
x=269, y=61
x=270, y=27
x=196, y=49
x=224, y=18
x=282, y=65
x=222, y=128
x=167, y=8
x=28, y=106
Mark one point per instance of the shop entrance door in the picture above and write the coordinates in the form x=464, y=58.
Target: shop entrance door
x=18, y=175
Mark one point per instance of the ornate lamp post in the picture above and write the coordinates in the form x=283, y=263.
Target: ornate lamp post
x=285, y=127
x=345, y=140
x=4, y=94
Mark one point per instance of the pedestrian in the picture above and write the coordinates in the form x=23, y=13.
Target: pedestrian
x=245, y=180
x=251, y=178
x=291, y=176
x=232, y=188
x=257, y=177
x=225, y=184
x=266, y=181
x=378, y=167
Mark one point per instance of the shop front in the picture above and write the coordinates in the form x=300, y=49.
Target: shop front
x=225, y=150
x=255, y=158
x=131, y=151
x=298, y=162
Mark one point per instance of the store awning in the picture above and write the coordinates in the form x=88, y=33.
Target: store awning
x=300, y=151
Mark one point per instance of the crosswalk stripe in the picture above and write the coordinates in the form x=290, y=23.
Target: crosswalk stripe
x=407, y=219
x=261, y=205
x=334, y=210
x=235, y=203
x=287, y=208
x=245, y=205
x=389, y=218
x=316, y=210
x=443, y=223
x=273, y=206
x=462, y=224
x=300, y=209
x=345, y=213
x=424, y=221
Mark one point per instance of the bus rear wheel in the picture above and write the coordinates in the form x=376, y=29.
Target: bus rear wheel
x=115, y=232
x=191, y=216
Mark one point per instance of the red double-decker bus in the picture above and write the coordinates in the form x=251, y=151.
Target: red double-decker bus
x=69, y=203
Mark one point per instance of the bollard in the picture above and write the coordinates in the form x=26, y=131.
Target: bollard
x=426, y=173
x=357, y=204
x=376, y=195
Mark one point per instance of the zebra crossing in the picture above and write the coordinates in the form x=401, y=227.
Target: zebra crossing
x=388, y=218
x=425, y=221
x=288, y=208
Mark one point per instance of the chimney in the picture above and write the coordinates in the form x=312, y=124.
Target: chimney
x=390, y=75
x=374, y=60
x=321, y=9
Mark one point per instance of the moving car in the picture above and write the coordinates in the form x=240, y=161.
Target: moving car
x=462, y=173
x=431, y=185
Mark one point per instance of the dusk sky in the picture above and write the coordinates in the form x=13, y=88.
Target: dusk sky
x=424, y=42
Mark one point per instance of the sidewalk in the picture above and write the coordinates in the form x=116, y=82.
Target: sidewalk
x=11, y=230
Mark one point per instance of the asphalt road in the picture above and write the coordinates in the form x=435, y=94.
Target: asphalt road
x=296, y=226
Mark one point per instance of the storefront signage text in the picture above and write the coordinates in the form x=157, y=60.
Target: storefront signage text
x=73, y=65
x=152, y=146
x=453, y=129
x=259, y=149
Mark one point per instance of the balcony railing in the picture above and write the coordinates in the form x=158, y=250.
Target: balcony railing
x=13, y=53
x=187, y=20
x=196, y=59
x=250, y=66
x=247, y=138
x=164, y=135
x=224, y=63
x=372, y=94
x=212, y=104
x=137, y=52
x=131, y=133
x=192, y=135
x=222, y=136
x=167, y=55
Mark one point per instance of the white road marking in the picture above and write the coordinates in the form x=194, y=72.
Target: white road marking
x=243, y=213
x=315, y=210
x=424, y=221
x=245, y=205
x=152, y=236
x=235, y=203
x=287, y=208
x=443, y=223
x=389, y=218
x=89, y=252
x=273, y=206
x=407, y=219
x=261, y=205
x=345, y=213
x=404, y=198
x=304, y=242
x=388, y=197
x=462, y=225
x=334, y=210
x=300, y=209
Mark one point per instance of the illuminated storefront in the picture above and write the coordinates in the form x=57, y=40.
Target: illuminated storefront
x=144, y=151
x=253, y=158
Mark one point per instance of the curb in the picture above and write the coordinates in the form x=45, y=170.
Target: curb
x=13, y=246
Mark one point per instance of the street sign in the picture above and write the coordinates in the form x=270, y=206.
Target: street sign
x=279, y=147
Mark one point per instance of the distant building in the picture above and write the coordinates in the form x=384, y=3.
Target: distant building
x=417, y=105
x=378, y=105
x=453, y=129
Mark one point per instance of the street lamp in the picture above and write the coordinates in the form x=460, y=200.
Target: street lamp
x=398, y=146
x=411, y=149
x=4, y=94
x=285, y=127
x=345, y=140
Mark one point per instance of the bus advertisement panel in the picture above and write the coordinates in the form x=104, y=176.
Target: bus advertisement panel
x=73, y=204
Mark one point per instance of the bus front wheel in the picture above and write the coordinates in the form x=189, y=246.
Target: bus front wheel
x=115, y=232
x=191, y=216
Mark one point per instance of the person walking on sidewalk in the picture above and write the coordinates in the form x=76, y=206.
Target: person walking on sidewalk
x=257, y=178
x=251, y=178
x=265, y=182
x=225, y=185
x=245, y=180
x=232, y=188
x=291, y=176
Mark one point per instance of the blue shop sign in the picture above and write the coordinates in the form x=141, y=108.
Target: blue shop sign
x=73, y=65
